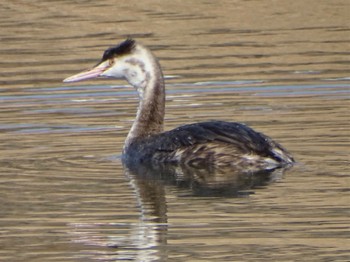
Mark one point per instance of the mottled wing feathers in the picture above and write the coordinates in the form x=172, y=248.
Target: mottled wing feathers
x=243, y=137
x=212, y=142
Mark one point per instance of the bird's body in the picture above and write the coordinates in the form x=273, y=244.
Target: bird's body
x=214, y=143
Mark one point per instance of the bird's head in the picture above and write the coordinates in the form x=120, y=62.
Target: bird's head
x=128, y=60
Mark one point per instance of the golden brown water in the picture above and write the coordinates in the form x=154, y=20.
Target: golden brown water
x=280, y=66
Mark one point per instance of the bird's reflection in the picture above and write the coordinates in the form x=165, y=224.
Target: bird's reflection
x=149, y=183
x=146, y=240
x=199, y=180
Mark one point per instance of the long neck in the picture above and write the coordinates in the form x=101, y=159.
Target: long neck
x=150, y=114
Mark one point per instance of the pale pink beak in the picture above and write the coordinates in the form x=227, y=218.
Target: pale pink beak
x=92, y=73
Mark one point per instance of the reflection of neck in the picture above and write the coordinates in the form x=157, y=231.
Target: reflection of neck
x=152, y=231
x=150, y=114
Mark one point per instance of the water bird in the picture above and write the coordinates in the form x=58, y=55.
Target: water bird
x=215, y=143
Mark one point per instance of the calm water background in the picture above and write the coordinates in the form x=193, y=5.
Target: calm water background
x=280, y=66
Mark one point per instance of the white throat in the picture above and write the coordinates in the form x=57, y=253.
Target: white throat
x=142, y=70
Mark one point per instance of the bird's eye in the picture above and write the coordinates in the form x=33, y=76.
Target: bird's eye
x=111, y=62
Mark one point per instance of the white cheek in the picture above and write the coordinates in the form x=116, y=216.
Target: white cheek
x=130, y=73
x=115, y=72
x=126, y=70
x=134, y=76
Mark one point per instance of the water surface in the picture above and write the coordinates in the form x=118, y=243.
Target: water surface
x=65, y=196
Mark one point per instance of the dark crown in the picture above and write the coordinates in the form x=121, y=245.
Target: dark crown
x=123, y=48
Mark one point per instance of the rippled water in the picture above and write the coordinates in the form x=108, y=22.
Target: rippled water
x=282, y=68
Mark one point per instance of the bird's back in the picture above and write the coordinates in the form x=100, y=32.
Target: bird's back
x=215, y=143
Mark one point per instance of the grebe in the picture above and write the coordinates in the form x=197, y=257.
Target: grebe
x=214, y=143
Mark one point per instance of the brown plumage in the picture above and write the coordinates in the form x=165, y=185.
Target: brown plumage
x=214, y=143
